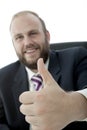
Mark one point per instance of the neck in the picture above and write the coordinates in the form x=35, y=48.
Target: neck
x=34, y=70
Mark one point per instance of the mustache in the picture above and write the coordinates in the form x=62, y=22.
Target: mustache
x=31, y=46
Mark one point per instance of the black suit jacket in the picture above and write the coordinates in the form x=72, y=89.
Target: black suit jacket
x=69, y=69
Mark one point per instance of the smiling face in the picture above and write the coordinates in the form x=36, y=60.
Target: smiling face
x=29, y=40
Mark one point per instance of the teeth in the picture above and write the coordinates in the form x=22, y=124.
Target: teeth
x=28, y=51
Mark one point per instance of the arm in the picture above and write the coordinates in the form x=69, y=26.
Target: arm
x=79, y=103
x=83, y=93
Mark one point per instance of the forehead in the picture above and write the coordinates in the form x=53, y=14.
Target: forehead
x=25, y=22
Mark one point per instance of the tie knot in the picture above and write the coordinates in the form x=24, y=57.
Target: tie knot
x=37, y=81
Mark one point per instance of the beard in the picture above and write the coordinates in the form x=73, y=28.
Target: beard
x=44, y=53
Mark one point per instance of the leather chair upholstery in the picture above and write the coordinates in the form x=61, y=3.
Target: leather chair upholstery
x=64, y=45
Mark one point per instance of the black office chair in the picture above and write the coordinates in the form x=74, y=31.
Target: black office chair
x=64, y=45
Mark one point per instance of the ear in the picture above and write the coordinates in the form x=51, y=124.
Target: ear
x=48, y=35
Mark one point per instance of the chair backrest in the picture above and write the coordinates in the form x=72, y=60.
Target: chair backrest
x=64, y=45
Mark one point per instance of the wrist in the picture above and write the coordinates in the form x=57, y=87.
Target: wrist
x=77, y=106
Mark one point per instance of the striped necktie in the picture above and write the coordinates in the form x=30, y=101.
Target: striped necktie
x=37, y=82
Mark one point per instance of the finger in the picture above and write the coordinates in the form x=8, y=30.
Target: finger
x=27, y=109
x=33, y=120
x=46, y=76
x=34, y=127
x=27, y=97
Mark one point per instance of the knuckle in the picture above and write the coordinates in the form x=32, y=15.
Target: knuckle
x=40, y=106
x=40, y=110
x=40, y=97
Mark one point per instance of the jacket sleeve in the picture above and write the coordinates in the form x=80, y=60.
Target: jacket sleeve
x=3, y=125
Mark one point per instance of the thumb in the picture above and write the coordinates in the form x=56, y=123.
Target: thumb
x=46, y=76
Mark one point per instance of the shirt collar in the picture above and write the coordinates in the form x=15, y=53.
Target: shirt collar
x=31, y=73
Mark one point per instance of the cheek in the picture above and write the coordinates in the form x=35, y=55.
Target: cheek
x=18, y=48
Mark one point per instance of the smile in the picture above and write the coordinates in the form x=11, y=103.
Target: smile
x=31, y=51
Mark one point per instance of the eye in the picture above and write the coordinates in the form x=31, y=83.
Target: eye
x=19, y=37
x=33, y=33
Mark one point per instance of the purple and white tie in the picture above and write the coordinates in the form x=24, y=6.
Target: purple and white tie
x=37, y=82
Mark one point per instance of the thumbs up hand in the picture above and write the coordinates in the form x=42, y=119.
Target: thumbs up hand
x=49, y=108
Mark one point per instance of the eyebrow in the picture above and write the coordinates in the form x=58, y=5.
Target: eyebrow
x=15, y=35
x=33, y=30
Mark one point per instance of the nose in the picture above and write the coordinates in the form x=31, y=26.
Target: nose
x=27, y=40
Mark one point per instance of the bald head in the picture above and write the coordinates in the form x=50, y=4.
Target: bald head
x=24, y=13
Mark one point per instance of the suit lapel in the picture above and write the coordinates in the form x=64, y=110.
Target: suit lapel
x=54, y=66
x=20, y=81
x=19, y=84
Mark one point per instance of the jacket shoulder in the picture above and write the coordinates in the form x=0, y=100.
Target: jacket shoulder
x=9, y=69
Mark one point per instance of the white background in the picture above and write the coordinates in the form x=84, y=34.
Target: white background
x=65, y=19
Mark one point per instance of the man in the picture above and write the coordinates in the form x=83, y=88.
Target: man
x=61, y=103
